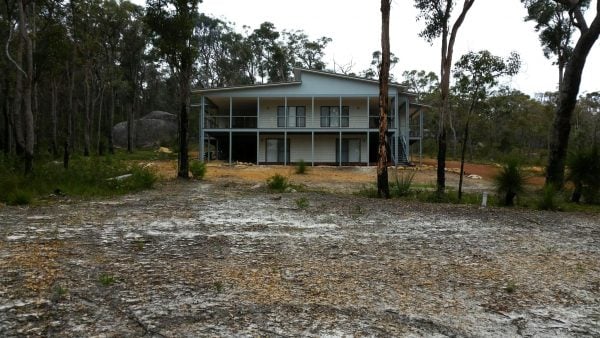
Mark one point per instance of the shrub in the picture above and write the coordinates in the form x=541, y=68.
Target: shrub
x=302, y=203
x=510, y=182
x=278, y=182
x=548, y=198
x=403, y=183
x=20, y=197
x=198, y=169
x=301, y=167
x=584, y=173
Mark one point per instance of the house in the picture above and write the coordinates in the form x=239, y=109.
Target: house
x=319, y=117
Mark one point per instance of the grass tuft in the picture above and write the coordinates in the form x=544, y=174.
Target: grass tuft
x=198, y=169
x=278, y=183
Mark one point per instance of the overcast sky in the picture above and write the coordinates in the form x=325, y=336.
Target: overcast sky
x=354, y=26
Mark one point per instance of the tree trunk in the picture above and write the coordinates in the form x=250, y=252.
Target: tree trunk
x=111, y=118
x=28, y=130
x=561, y=127
x=54, y=115
x=448, y=40
x=383, y=188
x=182, y=158
x=88, y=118
x=7, y=133
x=130, y=130
x=18, y=103
x=462, y=159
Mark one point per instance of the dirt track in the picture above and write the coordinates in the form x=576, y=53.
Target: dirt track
x=222, y=258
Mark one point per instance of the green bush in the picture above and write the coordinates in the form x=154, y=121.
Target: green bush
x=584, y=173
x=403, y=183
x=548, y=199
x=278, y=182
x=301, y=167
x=198, y=169
x=510, y=182
x=302, y=203
x=86, y=177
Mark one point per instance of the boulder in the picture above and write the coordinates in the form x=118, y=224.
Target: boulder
x=151, y=130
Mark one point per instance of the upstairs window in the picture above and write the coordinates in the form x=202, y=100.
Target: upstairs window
x=330, y=116
x=296, y=116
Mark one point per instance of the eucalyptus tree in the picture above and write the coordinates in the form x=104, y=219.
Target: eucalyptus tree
x=172, y=24
x=437, y=17
x=421, y=82
x=375, y=66
x=477, y=74
x=383, y=187
x=575, y=10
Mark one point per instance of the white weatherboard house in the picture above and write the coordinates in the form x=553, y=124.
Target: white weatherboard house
x=320, y=118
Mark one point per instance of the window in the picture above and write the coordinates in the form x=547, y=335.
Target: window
x=330, y=116
x=296, y=116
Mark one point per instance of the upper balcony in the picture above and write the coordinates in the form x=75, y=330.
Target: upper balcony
x=295, y=113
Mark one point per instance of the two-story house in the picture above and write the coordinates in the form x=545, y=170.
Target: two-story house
x=319, y=117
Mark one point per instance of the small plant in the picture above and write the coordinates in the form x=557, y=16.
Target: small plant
x=20, y=197
x=301, y=167
x=548, y=198
x=58, y=292
x=139, y=245
x=302, y=203
x=510, y=182
x=510, y=287
x=403, y=183
x=218, y=286
x=278, y=183
x=368, y=191
x=198, y=169
x=106, y=280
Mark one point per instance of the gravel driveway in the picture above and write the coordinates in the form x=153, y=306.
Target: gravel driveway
x=221, y=259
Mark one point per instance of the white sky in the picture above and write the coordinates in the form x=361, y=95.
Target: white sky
x=354, y=26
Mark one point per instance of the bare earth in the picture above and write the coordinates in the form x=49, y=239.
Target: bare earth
x=226, y=258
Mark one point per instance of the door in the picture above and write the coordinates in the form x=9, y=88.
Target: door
x=275, y=150
x=354, y=150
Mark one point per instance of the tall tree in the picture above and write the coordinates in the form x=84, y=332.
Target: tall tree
x=383, y=187
x=437, y=17
x=172, y=23
x=569, y=88
x=477, y=74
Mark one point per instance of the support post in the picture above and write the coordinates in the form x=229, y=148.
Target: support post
x=312, y=145
x=313, y=113
x=285, y=155
x=201, y=129
x=421, y=138
x=230, y=145
x=340, y=150
x=257, y=147
x=368, y=148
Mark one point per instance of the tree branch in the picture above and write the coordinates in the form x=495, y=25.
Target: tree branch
x=8, y=52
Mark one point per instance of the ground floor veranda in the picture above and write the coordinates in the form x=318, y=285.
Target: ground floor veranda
x=314, y=147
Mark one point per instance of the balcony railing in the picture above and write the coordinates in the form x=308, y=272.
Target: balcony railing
x=222, y=122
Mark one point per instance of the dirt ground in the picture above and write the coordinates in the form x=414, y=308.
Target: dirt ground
x=344, y=179
x=224, y=257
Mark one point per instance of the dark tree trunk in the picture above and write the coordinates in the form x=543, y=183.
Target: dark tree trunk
x=111, y=118
x=54, y=115
x=182, y=158
x=130, y=127
x=383, y=187
x=87, y=129
x=7, y=132
x=561, y=127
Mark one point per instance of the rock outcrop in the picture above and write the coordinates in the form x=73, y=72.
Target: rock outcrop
x=154, y=129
